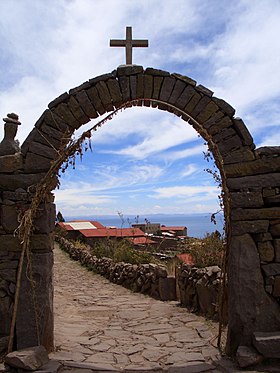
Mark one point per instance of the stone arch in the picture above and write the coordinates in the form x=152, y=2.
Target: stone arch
x=252, y=177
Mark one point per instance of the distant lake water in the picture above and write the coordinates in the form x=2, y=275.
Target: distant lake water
x=198, y=225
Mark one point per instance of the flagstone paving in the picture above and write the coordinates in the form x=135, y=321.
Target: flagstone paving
x=104, y=325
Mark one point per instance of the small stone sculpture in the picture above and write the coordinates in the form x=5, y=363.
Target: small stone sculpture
x=9, y=145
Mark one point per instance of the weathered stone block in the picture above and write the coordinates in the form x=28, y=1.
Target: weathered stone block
x=204, y=90
x=79, y=88
x=262, y=237
x=276, y=287
x=36, y=163
x=200, y=106
x=5, y=315
x=226, y=107
x=268, y=151
x=38, y=242
x=86, y=104
x=115, y=91
x=271, y=269
x=77, y=111
x=125, y=87
x=62, y=98
x=157, y=86
x=269, y=192
x=53, y=120
x=246, y=199
x=254, y=226
x=177, y=91
x=105, y=96
x=185, y=97
x=266, y=251
x=45, y=218
x=13, y=182
x=26, y=335
x=185, y=79
x=268, y=344
x=255, y=214
x=9, y=217
x=63, y=111
x=274, y=200
x=42, y=150
x=277, y=250
x=224, y=134
x=148, y=86
x=28, y=359
x=207, y=112
x=156, y=72
x=240, y=155
x=167, y=87
x=129, y=70
x=256, y=181
x=247, y=356
x=230, y=144
x=243, y=132
x=255, y=167
x=4, y=341
x=192, y=103
x=47, y=136
x=95, y=100
x=167, y=288
x=274, y=229
x=140, y=86
x=133, y=86
x=11, y=163
x=245, y=283
x=103, y=77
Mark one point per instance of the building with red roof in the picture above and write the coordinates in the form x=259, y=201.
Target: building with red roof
x=175, y=231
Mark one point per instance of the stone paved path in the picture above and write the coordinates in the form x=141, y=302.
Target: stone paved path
x=108, y=326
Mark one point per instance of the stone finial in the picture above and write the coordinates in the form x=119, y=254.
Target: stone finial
x=9, y=145
x=12, y=118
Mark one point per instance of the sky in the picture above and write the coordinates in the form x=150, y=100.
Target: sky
x=144, y=161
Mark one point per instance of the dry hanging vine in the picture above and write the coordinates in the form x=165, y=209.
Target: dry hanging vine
x=66, y=157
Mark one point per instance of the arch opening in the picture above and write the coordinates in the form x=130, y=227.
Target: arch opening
x=250, y=182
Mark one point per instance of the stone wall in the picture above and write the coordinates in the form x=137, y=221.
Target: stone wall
x=198, y=287
x=13, y=203
x=251, y=177
x=199, y=290
x=147, y=279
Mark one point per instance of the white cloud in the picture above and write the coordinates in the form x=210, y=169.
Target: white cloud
x=186, y=192
x=189, y=152
x=53, y=46
x=247, y=57
x=160, y=136
x=189, y=170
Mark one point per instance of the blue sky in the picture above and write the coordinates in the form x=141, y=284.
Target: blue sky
x=144, y=161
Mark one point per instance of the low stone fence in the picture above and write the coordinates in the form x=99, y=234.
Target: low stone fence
x=197, y=288
x=150, y=279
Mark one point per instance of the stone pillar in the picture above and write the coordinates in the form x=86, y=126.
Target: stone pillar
x=254, y=261
x=16, y=187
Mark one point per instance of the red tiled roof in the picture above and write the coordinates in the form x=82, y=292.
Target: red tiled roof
x=172, y=228
x=142, y=241
x=66, y=225
x=113, y=232
x=186, y=258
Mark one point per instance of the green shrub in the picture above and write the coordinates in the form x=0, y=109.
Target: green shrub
x=207, y=251
x=120, y=251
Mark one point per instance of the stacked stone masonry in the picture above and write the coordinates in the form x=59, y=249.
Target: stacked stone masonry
x=198, y=288
x=149, y=279
x=252, y=178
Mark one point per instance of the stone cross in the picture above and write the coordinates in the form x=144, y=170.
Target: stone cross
x=128, y=43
